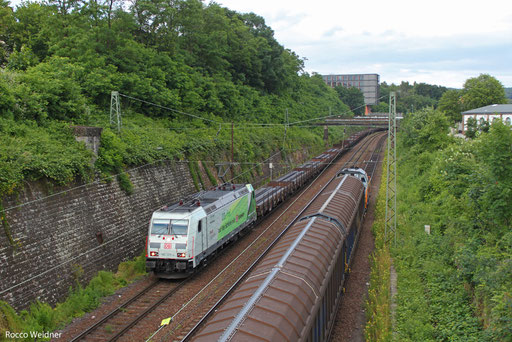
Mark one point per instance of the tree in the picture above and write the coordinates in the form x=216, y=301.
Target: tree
x=433, y=91
x=21, y=60
x=471, y=128
x=50, y=90
x=6, y=22
x=450, y=104
x=482, y=91
x=425, y=130
x=352, y=97
x=411, y=98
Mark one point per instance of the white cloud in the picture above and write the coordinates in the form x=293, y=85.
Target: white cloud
x=438, y=42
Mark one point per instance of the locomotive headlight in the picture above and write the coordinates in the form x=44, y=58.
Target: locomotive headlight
x=153, y=253
x=181, y=255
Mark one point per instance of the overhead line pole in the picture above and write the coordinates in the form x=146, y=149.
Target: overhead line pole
x=232, y=150
x=115, y=111
x=391, y=190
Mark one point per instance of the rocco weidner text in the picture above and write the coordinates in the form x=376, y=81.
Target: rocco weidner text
x=31, y=334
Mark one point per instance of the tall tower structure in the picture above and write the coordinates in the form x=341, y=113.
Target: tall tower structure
x=391, y=191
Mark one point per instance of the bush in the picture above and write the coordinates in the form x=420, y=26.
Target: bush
x=41, y=317
x=453, y=283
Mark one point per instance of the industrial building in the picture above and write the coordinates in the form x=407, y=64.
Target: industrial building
x=367, y=83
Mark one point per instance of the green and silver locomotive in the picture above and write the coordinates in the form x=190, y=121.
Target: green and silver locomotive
x=185, y=235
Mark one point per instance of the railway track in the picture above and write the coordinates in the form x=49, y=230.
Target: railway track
x=355, y=158
x=112, y=326
x=187, y=302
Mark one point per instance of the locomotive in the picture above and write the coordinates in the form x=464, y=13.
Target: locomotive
x=185, y=235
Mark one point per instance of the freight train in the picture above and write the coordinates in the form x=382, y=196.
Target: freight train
x=187, y=234
x=294, y=291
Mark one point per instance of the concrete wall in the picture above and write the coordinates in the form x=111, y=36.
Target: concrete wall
x=61, y=235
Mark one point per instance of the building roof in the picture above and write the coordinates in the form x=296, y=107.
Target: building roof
x=491, y=109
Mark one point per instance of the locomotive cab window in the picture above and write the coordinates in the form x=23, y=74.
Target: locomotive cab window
x=166, y=226
x=179, y=227
x=160, y=227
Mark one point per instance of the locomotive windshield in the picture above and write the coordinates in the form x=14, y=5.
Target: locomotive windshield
x=166, y=226
x=179, y=227
x=160, y=227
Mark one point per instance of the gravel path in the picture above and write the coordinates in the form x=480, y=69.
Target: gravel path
x=350, y=319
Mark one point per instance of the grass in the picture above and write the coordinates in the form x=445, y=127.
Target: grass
x=42, y=317
x=378, y=305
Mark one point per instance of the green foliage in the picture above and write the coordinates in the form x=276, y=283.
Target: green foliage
x=453, y=284
x=9, y=320
x=378, y=305
x=482, y=91
x=425, y=130
x=184, y=56
x=352, y=97
x=192, y=60
x=50, y=90
x=32, y=152
x=7, y=99
x=41, y=317
x=194, y=173
x=450, y=104
x=212, y=179
x=471, y=129
x=411, y=98
x=7, y=21
x=6, y=227
x=124, y=182
x=21, y=60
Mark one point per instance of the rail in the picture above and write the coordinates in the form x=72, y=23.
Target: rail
x=199, y=324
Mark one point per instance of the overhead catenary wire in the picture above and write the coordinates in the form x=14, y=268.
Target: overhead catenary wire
x=170, y=109
x=128, y=170
x=82, y=254
x=248, y=124
x=97, y=181
x=172, y=318
x=253, y=125
x=80, y=186
x=330, y=116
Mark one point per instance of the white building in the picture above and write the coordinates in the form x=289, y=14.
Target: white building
x=488, y=113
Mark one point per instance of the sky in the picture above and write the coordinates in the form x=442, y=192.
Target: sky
x=441, y=42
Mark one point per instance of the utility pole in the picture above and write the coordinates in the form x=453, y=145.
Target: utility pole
x=232, y=150
x=115, y=111
x=390, y=229
x=285, y=126
x=326, y=136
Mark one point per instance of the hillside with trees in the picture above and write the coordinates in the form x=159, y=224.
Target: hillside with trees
x=185, y=71
x=508, y=93
x=409, y=97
